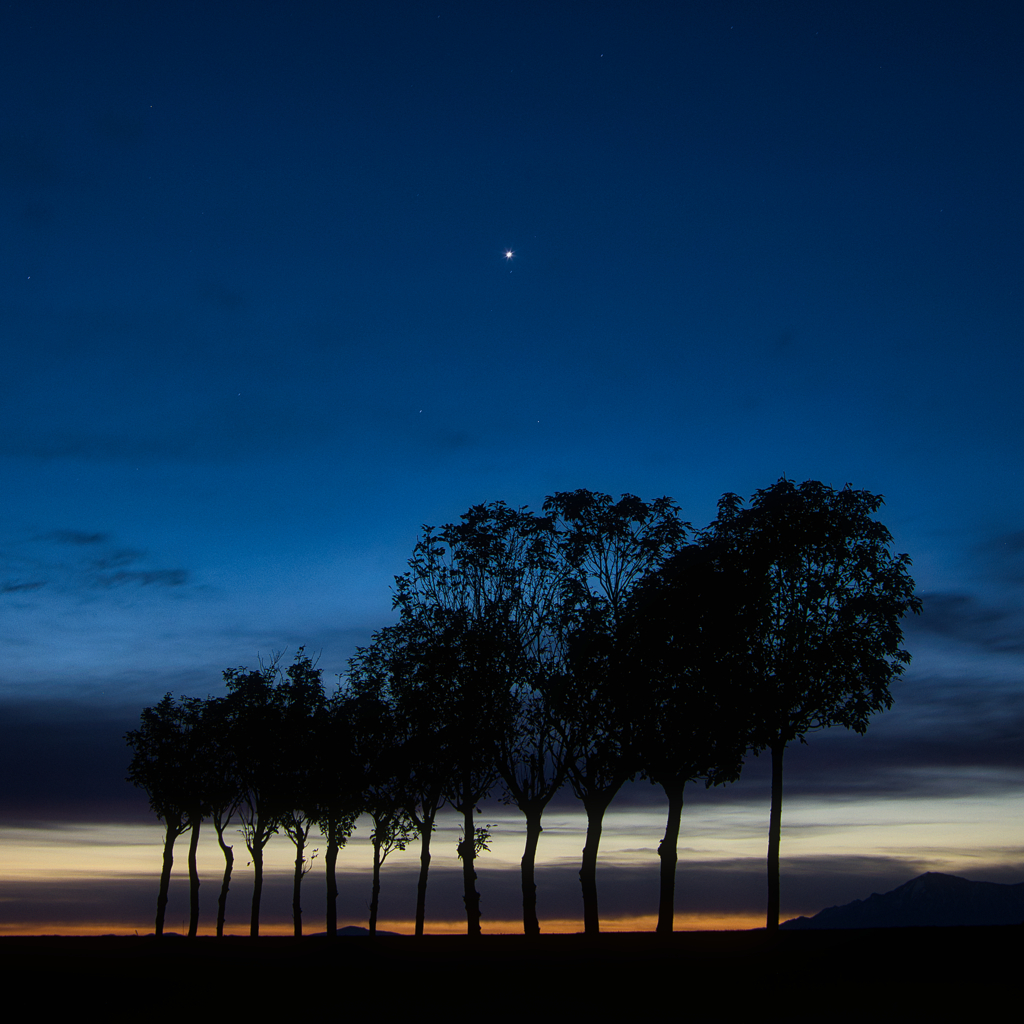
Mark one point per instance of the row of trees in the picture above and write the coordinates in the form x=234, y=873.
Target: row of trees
x=597, y=642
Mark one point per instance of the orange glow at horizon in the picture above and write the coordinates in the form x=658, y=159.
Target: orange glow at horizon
x=568, y=926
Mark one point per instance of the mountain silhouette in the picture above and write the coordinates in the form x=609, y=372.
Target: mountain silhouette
x=930, y=900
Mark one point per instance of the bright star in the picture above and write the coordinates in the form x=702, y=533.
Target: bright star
x=509, y=254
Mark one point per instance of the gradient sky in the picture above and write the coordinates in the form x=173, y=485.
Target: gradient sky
x=257, y=327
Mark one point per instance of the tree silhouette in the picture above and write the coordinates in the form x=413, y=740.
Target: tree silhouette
x=195, y=783
x=682, y=651
x=458, y=604
x=608, y=547
x=255, y=717
x=532, y=752
x=480, y=604
x=162, y=765
x=302, y=700
x=385, y=796
x=468, y=656
x=336, y=783
x=827, y=599
x=220, y=786
x=395, y=669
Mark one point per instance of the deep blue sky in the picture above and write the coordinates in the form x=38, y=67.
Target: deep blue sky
x=258, y=327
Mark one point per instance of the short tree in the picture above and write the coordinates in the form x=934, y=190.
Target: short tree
x=302, y=700
x=395, y=670
x=385, y=780
x=254, y=723
x=221, y=788
x=336, y=783
x=162, y=765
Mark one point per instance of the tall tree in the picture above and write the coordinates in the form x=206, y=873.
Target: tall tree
x=828, y=598
x=532, y=751
x=608, y=547
x=161, y=765
x=509, y=587
x=684, y=652
x=457, y=603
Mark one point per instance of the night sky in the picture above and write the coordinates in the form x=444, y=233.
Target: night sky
x=258, y=326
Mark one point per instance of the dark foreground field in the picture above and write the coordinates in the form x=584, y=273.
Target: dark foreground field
x=400, y=977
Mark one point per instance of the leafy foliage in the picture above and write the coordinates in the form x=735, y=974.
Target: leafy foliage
x=828, y=599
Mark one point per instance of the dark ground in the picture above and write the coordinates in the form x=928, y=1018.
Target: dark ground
x=396, y=977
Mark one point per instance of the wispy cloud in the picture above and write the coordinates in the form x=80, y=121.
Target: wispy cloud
x=145, y=578
x=965, y=618
x=76, y=561
x=13, y=588
x=74, y=537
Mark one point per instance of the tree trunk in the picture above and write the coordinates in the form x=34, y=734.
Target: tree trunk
x=195, y=820
x=229, y=863
x=172, y=833
x=300, y=846
x=469, y=894
x=595, y=808
x=667, y=853
x=331, y=864
x=426, y=828
x=375, y=895
x=531, y=926
x=774, y=838
x=257, y=888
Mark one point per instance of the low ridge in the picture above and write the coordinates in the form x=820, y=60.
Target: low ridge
x=930, y=900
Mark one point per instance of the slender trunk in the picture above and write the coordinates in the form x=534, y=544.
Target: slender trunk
x=331, y=864
x=172, y=833
x=531, y=926
x=426, y=827
x=595, y=808
x=257, y=884
x=774, y=838
x=375, y=895
x=195, y=820
x=229, y=863
x=469, y=894
x=667, y=853
x=300, y=846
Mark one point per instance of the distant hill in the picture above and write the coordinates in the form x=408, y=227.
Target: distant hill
x=930, y=900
